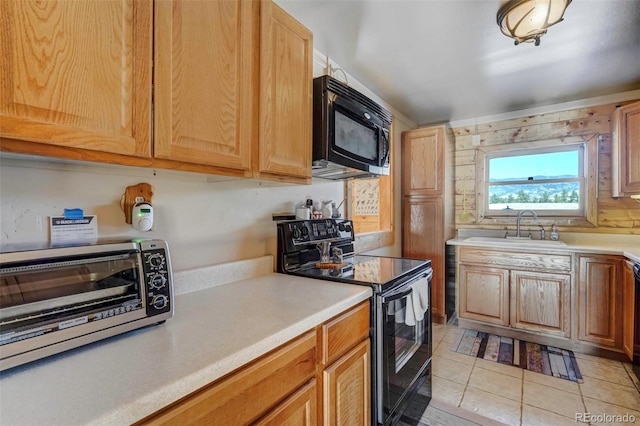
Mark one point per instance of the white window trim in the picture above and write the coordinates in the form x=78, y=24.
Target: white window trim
x=590, y=217
x=579, y=147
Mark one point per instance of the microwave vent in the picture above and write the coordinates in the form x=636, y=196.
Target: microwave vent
x=342, y=89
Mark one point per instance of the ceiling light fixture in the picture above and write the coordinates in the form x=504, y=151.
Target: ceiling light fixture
x=528, y=20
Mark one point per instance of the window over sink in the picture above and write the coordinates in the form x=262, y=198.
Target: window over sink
x=557, y=178
x=550, y=181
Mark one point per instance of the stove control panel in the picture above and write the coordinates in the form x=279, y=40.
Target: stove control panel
x=301, y=232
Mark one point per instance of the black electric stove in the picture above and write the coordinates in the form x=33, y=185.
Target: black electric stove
x=400, y=330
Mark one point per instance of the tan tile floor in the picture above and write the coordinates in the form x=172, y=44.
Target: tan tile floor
x=471, y=391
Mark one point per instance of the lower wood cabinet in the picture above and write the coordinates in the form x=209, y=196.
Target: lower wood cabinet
x=321, y=377
x=527, y=299
x=540, y=301
x=599, y=292
x=484, y=294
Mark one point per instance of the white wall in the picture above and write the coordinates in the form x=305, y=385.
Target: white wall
x=205, y=223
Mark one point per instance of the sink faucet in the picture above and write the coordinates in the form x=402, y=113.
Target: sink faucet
x=520, y=214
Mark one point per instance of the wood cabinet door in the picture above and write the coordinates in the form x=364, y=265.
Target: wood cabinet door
x=541, y=302
x=77, y=74
x=626, y=150
x=423, y=162
x=286, y=95
x=300, y=409
x=204, y=81
x=347, y=388
x=423, y=238
x=628, y=309
x=483, y=294
x=600, y=300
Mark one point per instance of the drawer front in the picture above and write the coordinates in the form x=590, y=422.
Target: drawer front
x=537, y=261
x=345, y=331
x=249, y=394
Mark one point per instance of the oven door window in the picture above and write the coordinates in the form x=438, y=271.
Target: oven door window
x=406, y=341
x=39, y=298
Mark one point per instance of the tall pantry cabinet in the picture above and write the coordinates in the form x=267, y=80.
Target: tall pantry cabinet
x=427, y=203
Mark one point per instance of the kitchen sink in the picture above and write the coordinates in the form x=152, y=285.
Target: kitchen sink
x=519, y=241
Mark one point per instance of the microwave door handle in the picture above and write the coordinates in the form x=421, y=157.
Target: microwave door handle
x=385, y=155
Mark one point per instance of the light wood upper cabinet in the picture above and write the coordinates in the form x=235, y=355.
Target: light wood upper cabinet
x=286, y=95
x=600, y=300
x=204, y=85
x=423, y=161
x=77, y=74
x=625, y=160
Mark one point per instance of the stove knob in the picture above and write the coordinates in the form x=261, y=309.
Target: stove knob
x=159, y=301
x=341, y=227
x=347, y=228
x=157, y=281
x=305, y=231
x=296, y=233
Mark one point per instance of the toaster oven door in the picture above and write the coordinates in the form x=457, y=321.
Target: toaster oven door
x=47, y=301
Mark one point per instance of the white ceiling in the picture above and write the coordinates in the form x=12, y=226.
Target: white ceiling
x=446, y=60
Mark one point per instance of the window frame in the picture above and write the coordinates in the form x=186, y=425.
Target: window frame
x=591, y=172
x=581, y=179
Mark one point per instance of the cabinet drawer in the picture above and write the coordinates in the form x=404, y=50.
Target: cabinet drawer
x=250, y=393
x=510, y=259
x=344, y=331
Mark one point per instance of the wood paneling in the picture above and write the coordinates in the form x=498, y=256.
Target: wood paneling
x=541, y=302
x=204, y=82
x=600, y=300
x=77, y=74
x=607, y=215
x=286, y=92
x=484, y=294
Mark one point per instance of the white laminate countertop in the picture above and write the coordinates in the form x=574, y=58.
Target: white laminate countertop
x=214, y=331
x=625, y=248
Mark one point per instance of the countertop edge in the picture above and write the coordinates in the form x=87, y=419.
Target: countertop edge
x=631, y=254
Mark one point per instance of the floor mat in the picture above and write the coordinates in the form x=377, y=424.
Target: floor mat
x=543, y=359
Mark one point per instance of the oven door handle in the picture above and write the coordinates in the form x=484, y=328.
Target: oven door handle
x=406, y=289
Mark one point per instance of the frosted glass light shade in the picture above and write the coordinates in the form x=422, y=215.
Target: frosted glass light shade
x=528, y=20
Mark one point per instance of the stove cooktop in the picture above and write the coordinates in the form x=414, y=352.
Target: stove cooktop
x=377, y=271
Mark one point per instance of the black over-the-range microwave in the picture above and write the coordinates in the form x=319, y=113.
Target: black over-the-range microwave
x=350, y=132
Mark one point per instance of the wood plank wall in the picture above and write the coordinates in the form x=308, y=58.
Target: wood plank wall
x=614, y=215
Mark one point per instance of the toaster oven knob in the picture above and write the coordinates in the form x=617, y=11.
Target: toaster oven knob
x=155, y=260
x=157, y=281
x=159, y=301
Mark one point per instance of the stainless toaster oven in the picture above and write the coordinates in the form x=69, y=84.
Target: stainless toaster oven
x=57, y=298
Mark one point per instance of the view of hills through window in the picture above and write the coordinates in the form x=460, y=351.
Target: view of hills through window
x=547, y=181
